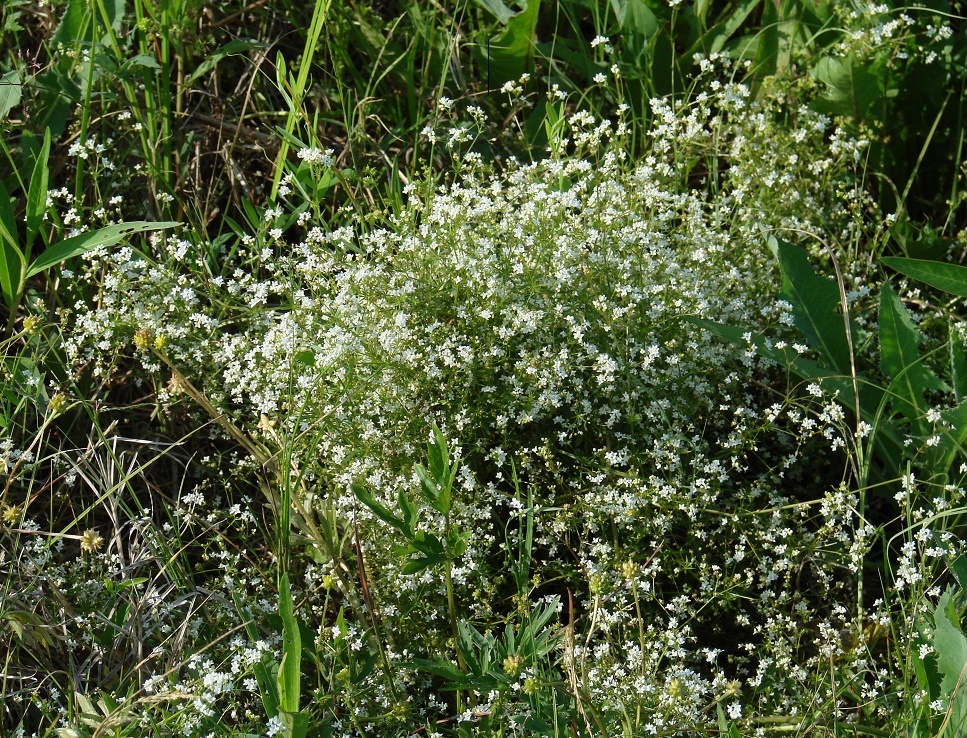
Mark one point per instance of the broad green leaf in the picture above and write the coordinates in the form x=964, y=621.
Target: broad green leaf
x=816, y=306
x=851, y=88
x=84, y=242
x=500, y=11
x=950, y=278
x=900, y=358
x=143, y=60
x=722, y=32
x=296, y=723
x=871, y=396
x=10, y=92
x=951, y=647
x=959, y=569
x=37, y=194
x=509, y=53
x=427, y=543
x=954, y=436
x=290, y=673
x=638, y=22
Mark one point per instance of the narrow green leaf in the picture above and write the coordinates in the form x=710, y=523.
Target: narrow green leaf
x=428, y=486
x=268, y=686
x=37, y=194
x=8, y=224
x=238, y=46
x=409, y=511
x=441, y=668
x=439, y=456
x=290, y=673
x=81, y=243
x=950, y=278
x=378, y=509
x=12, y=265
x=816, y=306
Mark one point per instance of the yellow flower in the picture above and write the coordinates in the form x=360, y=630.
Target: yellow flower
x=57, y=402
x=142, y=339
x=91, y=541
x=11, y=514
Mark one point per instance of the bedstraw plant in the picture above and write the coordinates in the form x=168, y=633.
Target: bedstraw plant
x=561, y=369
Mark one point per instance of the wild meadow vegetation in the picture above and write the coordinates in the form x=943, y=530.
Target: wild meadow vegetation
x=490, y=368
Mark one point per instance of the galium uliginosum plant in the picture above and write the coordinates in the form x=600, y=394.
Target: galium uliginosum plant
x=663, y=517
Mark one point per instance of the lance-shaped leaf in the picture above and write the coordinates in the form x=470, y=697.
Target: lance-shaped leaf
x=84, y=242
x=950, y=278
x=816, y=305
x=900, y=358
x=37, y=193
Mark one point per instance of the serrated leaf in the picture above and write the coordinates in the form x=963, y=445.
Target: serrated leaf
x=950, y=278
x=84, y=242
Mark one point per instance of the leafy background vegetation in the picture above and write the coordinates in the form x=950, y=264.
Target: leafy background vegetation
x=548, y=368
